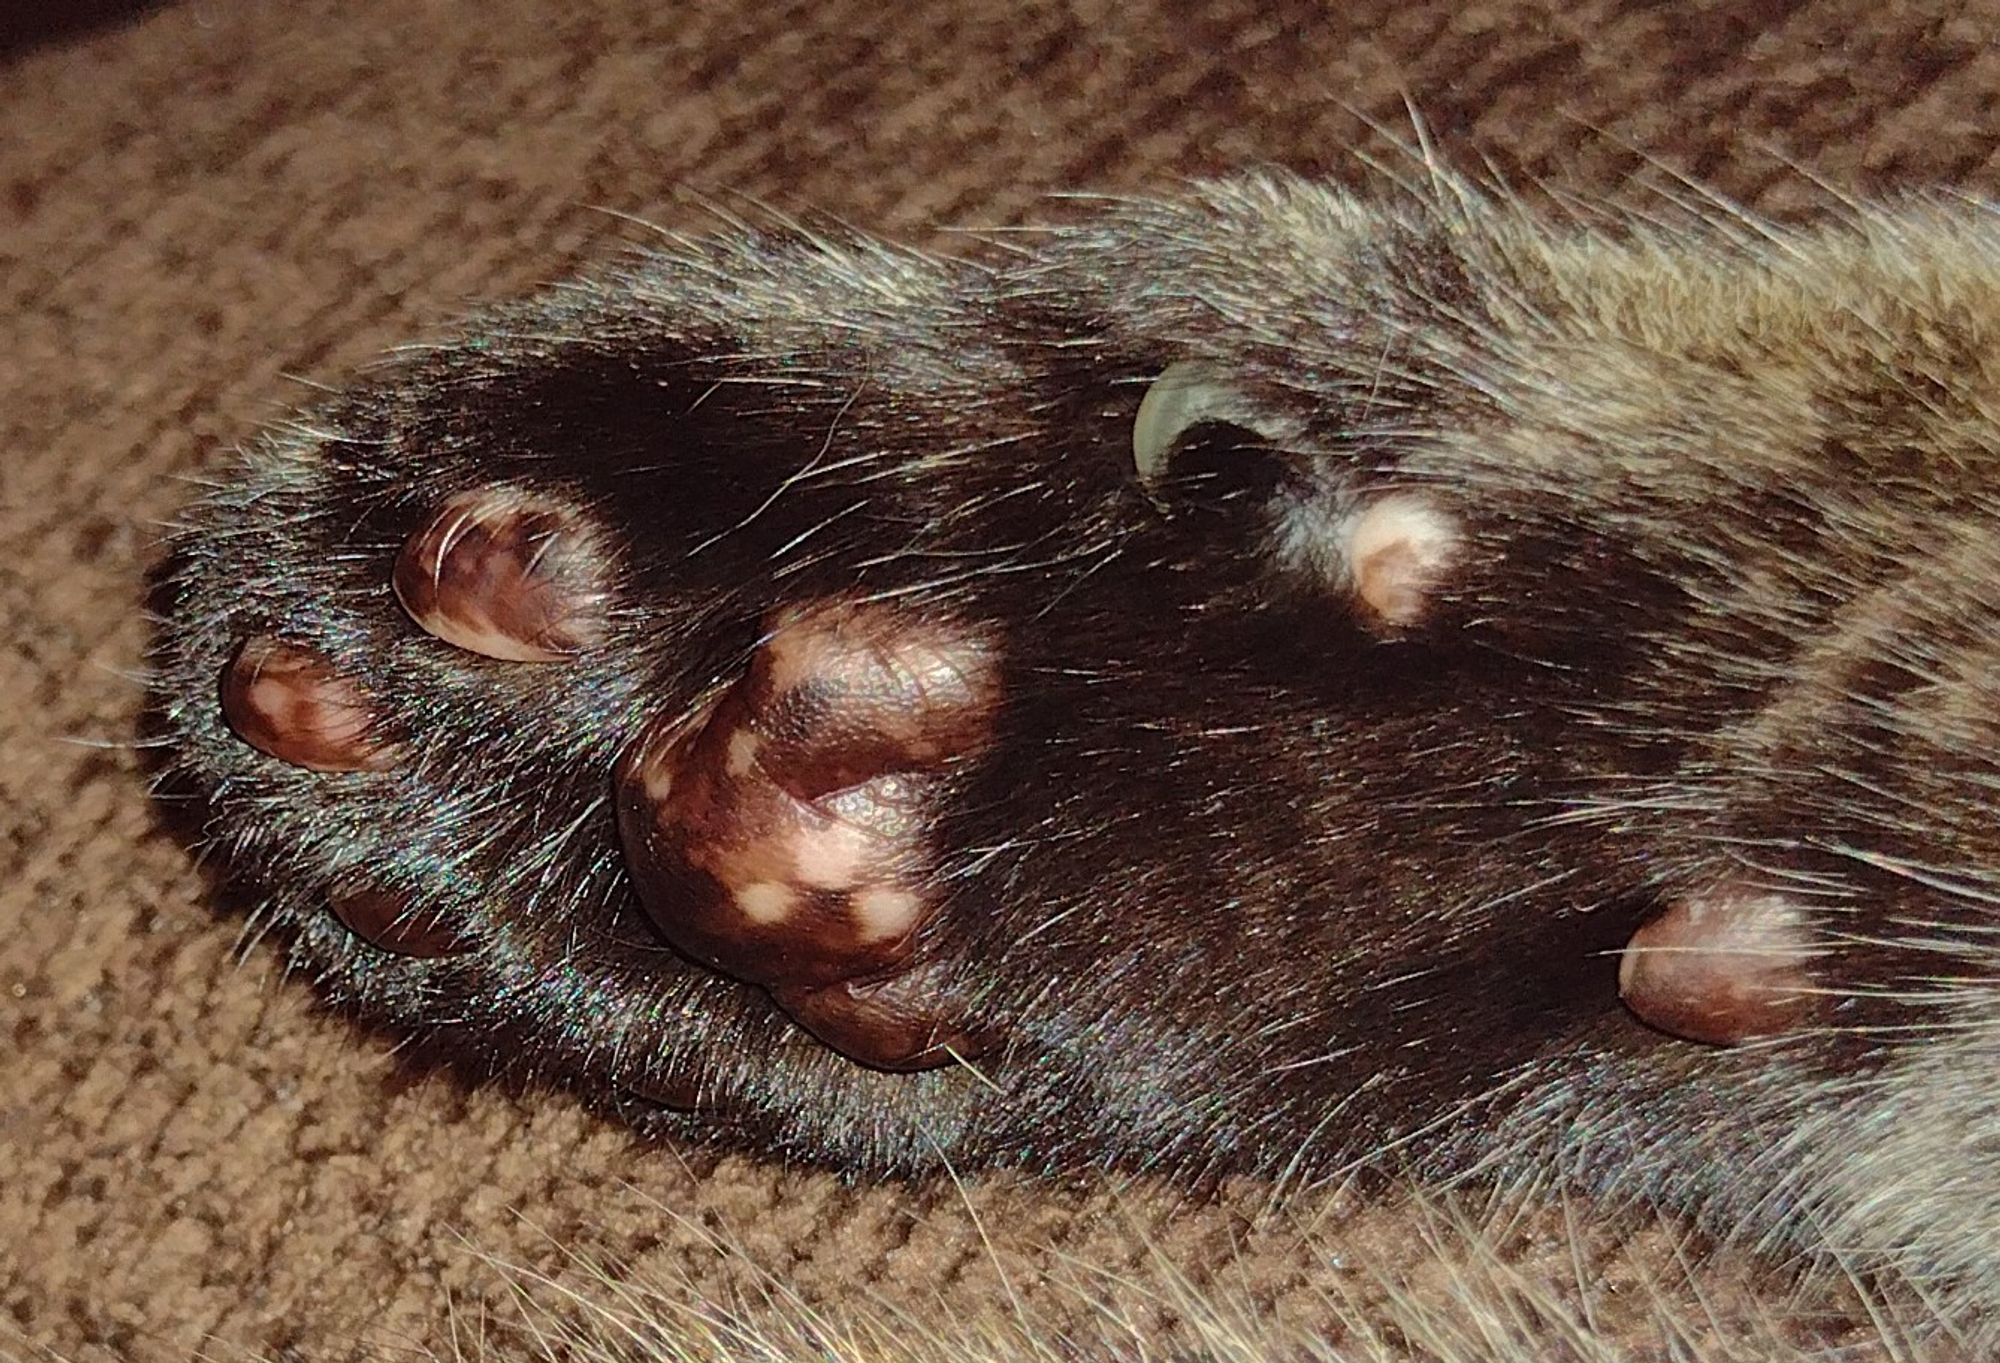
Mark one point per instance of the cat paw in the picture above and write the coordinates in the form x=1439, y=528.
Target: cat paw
x=1259, y=683
x=705, y=677
x=778, y=655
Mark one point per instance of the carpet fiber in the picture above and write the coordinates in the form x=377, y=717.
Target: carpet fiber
x=207, y=203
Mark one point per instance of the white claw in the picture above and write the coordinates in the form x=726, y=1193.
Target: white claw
x=1185, y=394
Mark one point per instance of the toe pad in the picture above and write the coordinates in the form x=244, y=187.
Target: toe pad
x=287, y=701
x=505, y=574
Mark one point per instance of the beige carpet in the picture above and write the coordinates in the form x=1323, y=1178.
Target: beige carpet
x=203, y=206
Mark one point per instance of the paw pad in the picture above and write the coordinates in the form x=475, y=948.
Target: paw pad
x=893, y=1024
x=780, y=832
x=1397, y=550
x=505, y=574
x=287, y=701
x=1721, y=968
x=394, y=922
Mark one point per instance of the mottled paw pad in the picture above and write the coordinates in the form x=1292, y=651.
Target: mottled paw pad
x=1723, y=967
x=287, y=701
x=506, y=574
x=1397, y=549
x=780, y=833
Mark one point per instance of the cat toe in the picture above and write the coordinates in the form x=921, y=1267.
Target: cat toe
x=289, y=701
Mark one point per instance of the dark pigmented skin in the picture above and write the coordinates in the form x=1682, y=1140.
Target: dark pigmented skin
x=503, y=574
x=288, y=701
x=780, y=832
x=1211, y=870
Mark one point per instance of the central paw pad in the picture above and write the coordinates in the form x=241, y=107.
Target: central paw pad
x=781, y=831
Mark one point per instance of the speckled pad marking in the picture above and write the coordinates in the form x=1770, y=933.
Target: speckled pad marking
x=286, y=700
x=505, y=574
x=780, y=833
x=1723, y=967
